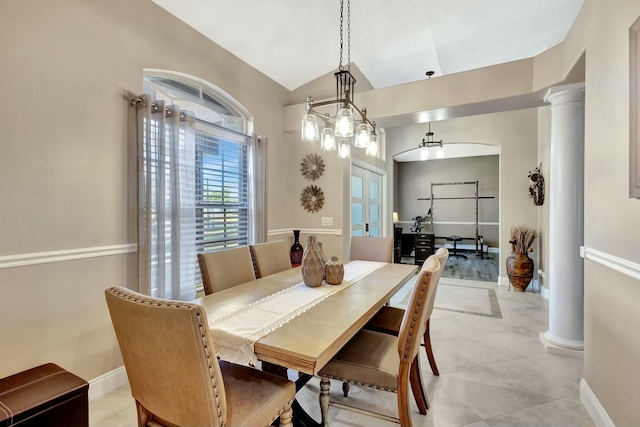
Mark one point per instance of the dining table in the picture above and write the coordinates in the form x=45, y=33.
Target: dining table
x=307, y=339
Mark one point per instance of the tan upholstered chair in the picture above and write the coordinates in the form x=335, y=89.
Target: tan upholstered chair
x=175, y=377
x=372, y=248
x=389, y=319
x=384, y=361
x=225, y=269
x=270, y=257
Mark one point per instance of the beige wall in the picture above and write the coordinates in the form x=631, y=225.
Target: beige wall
x=68, y=70
x=612, y=300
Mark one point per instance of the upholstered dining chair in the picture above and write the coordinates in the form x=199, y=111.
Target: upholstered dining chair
x=175, y=377
x=225, y=269
x=383, y=361
x=270, y=257
x=388, y=319
x=371, y=248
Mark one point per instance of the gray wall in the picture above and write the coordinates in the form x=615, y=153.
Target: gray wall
x=414, y=181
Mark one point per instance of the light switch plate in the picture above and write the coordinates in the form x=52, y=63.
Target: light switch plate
x=327, y=221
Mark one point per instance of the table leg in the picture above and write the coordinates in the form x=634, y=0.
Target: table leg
x=300, y=417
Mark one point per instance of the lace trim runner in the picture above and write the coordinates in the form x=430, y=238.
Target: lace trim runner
x=235, y=333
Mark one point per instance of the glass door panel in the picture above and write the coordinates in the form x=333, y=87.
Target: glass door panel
x=366, y=203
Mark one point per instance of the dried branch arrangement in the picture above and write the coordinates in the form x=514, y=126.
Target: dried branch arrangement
x=522, y=238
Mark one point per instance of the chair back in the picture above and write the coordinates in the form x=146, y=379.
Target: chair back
x=443, y=255
x=225, y=269
x=372, y=248
x=414, y=321
x=270, y=257
x=168, y=354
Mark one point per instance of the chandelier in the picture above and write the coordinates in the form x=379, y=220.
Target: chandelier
x=428, y=142
x=342, y=130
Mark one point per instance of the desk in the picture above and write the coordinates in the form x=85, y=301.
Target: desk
x=310, y=340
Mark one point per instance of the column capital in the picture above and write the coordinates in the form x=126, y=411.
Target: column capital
x=566, y=93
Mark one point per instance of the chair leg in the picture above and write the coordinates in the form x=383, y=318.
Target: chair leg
x=403, y=406
x=325, y=386
x=144, y=415
x=285, y=417
x=429, y=349
x=419, y=394
x=345, y=389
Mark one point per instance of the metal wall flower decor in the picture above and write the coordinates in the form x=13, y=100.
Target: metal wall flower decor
x=312, y=198
x=536, y=186
x=312, y=166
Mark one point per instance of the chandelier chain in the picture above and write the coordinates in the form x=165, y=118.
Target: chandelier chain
x=341, y=12
x=349, y=35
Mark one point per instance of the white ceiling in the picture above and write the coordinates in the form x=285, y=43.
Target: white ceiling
x=392, y=41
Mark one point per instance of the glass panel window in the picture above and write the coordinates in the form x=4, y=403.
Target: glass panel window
x=357, y=232
x=374, y=210
x=356, y=186
x=356, y=214
x=375, y=190
x=374, y=232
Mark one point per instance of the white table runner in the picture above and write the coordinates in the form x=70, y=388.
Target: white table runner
x=235, y=333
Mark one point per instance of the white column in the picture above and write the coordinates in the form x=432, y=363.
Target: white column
x=566, y=220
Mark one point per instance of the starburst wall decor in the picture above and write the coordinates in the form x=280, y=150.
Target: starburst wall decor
x=312, y=198
x=312, y=166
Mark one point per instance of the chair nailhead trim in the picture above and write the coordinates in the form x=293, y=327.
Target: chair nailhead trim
x=393, y=390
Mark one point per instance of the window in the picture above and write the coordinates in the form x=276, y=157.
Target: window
x=222, y=191
x=221, y=170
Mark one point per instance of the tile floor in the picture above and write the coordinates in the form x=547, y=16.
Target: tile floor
x=493, y=369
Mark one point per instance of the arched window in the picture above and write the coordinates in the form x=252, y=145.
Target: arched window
x=219, y=169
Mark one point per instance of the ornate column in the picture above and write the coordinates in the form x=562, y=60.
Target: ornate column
x=566, y=221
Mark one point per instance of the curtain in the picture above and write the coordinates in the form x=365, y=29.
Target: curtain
x=257, y=187
x=166, y=200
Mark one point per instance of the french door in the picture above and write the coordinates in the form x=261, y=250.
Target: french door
x=366, y=202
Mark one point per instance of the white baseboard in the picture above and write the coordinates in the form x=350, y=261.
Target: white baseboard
x=594, y=407
x=108, y=382
x=544, y=292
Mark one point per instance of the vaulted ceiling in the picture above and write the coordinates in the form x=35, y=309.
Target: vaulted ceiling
x=392, y=41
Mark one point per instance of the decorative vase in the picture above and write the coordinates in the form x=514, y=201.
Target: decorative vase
x=296, y=250
x=519, y=270
x=334, y=271
x=312, y=264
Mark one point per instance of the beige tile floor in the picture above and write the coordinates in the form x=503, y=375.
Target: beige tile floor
x=493, y=370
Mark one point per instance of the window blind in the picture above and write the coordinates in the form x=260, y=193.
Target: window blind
x=222, y=189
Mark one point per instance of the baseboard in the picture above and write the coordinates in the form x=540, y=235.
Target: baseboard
x=544, y=292
x=594, y=407
x=108, y=382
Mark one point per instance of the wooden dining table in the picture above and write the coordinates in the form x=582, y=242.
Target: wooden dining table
x=307, y=342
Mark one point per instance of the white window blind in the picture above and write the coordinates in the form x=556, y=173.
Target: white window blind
x=222, y=189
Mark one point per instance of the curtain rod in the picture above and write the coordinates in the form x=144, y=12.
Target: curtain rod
x=155, y=107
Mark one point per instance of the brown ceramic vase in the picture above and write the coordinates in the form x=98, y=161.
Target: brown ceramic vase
x=519, y=270
x=334, y=271
x=312, y=264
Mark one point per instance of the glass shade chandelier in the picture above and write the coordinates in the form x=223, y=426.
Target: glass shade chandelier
x=350, y=125
x=427, y=143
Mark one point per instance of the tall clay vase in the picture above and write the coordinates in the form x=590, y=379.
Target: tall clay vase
x=312, y=264
x=296, y=250
x=519, y=270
